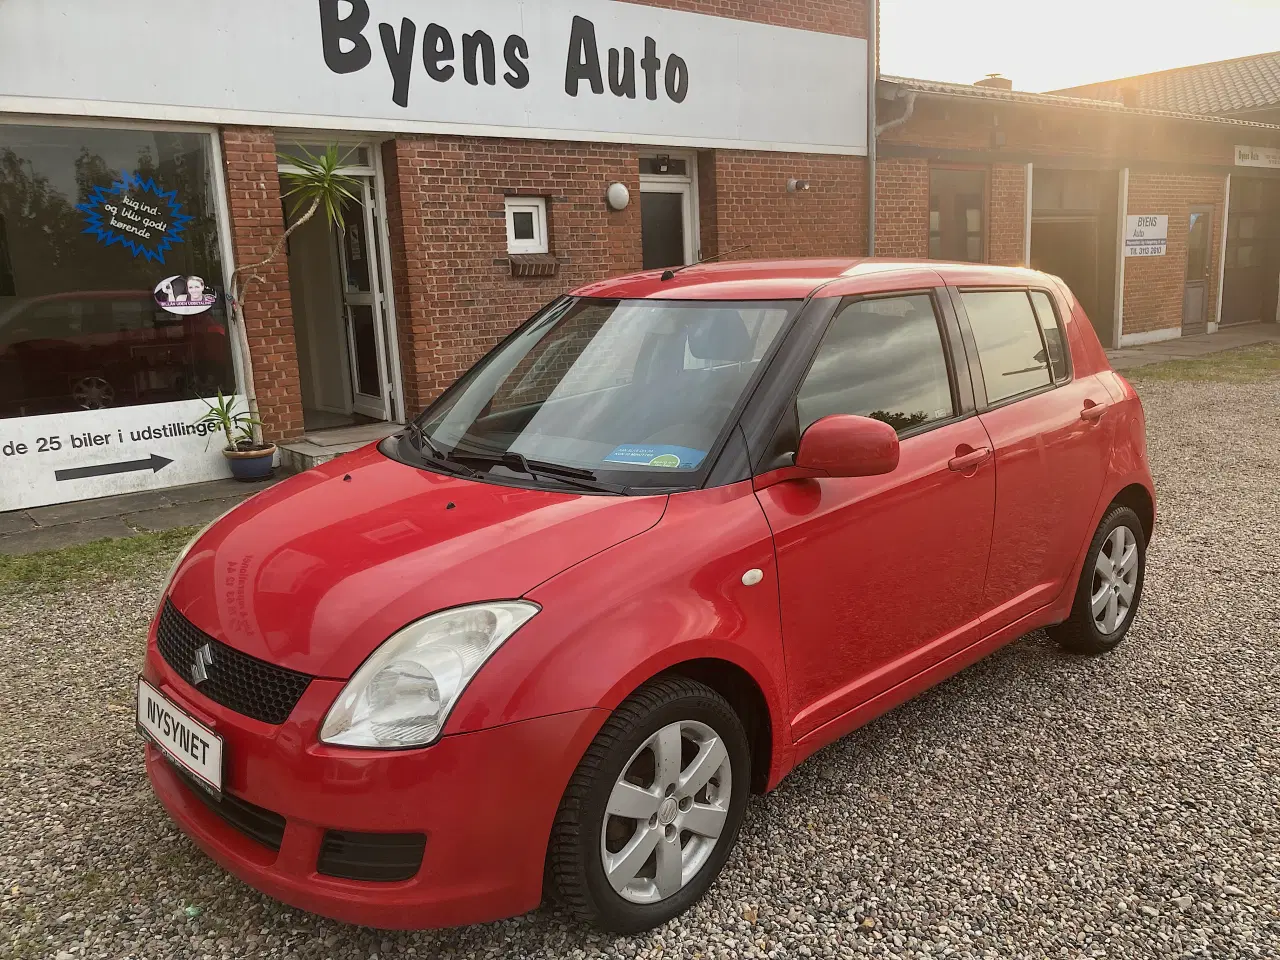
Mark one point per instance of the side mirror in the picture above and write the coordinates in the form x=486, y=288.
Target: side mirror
x=849, y=446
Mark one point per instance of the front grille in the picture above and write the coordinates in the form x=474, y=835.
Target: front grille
x=379, y=857
x=256, y=823
x=236, y=680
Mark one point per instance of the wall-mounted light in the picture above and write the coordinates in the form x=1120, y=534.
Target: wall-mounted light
x=664, y=163
x=797, y=186
x=618, y=196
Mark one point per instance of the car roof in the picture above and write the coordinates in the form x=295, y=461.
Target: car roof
x=797, y=279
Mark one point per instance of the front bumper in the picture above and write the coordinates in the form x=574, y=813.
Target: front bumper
x=485, y=801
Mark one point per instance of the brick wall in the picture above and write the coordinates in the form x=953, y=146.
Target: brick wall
x=749, y=205
x=902, y=207
x=257, y=224
x=1007, y=214
x=1153, y=286
x=902, y=210
x=455, y=296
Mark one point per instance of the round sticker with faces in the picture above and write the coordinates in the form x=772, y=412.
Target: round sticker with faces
x=185, y=295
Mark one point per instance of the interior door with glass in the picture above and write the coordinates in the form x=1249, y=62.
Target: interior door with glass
x=364, y=305
x=1195, y=297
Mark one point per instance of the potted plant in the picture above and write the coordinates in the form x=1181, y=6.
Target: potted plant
x=250, y=458
x=315, y=183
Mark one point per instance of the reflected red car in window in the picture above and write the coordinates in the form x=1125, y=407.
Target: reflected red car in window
x=94, y=349
x=674, y=534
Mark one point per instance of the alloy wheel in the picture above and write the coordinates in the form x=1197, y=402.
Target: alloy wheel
x=666, y=812
x=1115, y=578
x=93, y=393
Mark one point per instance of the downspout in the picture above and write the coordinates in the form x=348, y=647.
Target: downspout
x=873, y=76
x=899, y=121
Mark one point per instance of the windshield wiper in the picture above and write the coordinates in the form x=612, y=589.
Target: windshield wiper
x=571, y=476
x=431, y=454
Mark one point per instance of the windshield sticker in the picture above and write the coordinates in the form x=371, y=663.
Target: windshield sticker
x=657, y=455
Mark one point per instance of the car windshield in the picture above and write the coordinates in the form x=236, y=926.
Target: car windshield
x=633, y=388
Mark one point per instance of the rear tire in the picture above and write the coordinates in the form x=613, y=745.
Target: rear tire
x=653, y=809
x=1110, y=587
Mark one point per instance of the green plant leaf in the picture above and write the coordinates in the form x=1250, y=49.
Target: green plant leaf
x=317, y=181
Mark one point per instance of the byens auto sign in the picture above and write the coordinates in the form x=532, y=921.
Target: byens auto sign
x=570, y=69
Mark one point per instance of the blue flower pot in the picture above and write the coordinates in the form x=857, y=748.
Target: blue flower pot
x=251, y=465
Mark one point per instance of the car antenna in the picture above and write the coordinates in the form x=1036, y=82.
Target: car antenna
x=671, y=273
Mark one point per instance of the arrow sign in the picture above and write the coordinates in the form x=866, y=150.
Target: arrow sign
x=155, y=463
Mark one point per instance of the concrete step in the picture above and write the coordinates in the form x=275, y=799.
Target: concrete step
x=321, y=446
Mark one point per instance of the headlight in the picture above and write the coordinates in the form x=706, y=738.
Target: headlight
x=401, y=696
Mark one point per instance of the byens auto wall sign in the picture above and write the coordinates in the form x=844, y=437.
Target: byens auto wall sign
x=562, y=69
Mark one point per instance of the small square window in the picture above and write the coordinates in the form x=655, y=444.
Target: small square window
x=527, y=225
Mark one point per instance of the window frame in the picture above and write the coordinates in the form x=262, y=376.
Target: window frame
x=782, y=436
x=975, y=360
x=541, y=242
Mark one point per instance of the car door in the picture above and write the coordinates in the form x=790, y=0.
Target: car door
x=1051, y=438
x=880, y=577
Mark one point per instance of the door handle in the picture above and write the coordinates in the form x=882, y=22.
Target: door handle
x=1093, y=412
x=963, y=462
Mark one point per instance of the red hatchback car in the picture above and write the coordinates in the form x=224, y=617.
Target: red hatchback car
x=670, y=537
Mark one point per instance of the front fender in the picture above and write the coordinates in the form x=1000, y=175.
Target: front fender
x=667, y=596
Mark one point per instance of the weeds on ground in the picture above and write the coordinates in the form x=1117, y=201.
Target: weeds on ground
x=1242, y=365
x=100, y=560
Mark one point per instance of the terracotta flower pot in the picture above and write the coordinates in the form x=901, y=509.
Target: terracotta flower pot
x=251, y=465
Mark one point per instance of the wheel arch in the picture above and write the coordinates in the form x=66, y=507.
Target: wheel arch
x=747, y=699
x=1138, y=499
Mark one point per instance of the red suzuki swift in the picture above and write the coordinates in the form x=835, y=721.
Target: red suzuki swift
x=670, y=537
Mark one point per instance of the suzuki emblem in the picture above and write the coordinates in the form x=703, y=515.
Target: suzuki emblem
x=200, y=669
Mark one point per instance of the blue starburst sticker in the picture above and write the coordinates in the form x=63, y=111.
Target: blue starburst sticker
x=136, y=214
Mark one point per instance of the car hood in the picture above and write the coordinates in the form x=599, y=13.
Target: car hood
x=316, y=572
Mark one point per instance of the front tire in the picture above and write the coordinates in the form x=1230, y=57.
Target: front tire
x=1110, y=586
x=653, y=809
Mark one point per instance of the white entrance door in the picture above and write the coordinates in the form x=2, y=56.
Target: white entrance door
x=668, y=211
x=365, y=307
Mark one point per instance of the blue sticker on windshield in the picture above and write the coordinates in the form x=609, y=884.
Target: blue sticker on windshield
x=657, y=455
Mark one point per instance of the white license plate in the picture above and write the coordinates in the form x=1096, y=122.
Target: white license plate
x=188, y=743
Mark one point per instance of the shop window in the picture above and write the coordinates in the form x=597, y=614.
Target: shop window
x=111, y=276
x=527, y=225
x=957, y=201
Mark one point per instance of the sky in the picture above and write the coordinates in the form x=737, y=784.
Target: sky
x=1043, y=45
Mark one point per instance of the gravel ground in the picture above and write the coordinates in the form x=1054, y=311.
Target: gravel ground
x=1038, y=805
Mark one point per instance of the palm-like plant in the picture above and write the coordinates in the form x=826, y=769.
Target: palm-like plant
x=315, y=184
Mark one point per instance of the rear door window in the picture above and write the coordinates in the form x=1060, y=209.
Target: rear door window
x=1013, y=356
x=881, y=359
